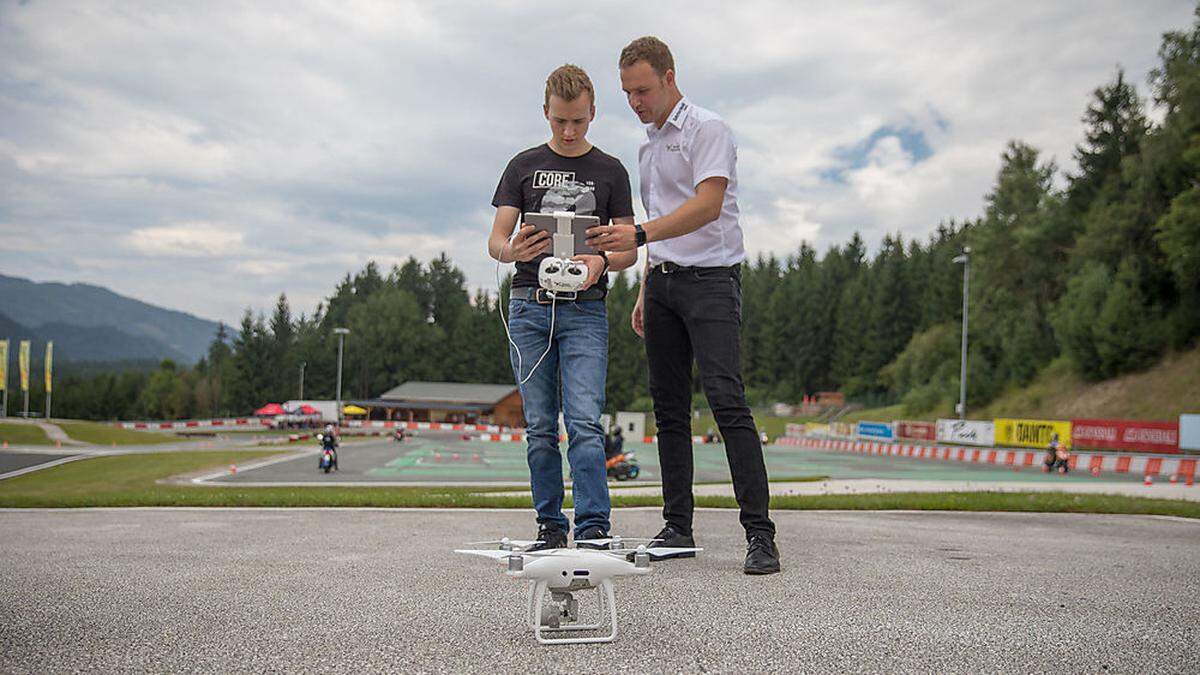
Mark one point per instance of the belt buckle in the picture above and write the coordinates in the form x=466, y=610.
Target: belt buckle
x=664, y=268
x=545, y=297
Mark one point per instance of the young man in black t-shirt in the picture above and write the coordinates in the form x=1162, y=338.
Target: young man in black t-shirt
x=559, y=348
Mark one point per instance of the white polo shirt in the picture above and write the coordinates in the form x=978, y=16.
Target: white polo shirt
x=693, y=145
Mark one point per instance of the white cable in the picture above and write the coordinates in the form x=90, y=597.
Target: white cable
x=504, y=322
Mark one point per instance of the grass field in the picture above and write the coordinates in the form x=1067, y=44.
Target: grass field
x=23, y=434
x=106, y=434
x=132, y=480
x=887, y=414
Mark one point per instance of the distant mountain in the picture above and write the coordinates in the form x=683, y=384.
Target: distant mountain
x=87, y=343
x=90, y=323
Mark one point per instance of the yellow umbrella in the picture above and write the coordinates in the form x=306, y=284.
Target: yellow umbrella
x=354, y=410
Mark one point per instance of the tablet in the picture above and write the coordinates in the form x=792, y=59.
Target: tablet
x=579, y=227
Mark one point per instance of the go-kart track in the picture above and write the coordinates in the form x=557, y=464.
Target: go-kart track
x=446, y=458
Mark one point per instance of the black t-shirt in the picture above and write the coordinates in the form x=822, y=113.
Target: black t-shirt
x=542, y=181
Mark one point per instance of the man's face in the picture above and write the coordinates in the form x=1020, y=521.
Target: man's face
x=569, y=120
x=647, y=92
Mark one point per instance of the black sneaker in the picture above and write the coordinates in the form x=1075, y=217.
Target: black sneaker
x=593, y=532
x=762, y=556
x=673, y=538
x=549, y=536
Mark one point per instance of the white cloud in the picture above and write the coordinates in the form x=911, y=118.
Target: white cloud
x=210, y=158
x=192, y=240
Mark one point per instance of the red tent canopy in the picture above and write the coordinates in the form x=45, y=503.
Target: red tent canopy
x=309, y=410
x=269, y=409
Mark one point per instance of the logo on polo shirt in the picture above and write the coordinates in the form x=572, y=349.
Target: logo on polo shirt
x=683, y=106
x=549, y=179
x=672, y=147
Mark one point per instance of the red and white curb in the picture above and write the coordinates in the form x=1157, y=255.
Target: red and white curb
x=192, y=424
x=499, y=438
x=1174, y=469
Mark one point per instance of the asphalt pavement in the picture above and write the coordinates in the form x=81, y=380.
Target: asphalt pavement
x=353, y=590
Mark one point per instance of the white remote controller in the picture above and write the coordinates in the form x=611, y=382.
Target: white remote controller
x=562, y=276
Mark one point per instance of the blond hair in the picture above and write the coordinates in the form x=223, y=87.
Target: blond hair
x=568, y=82
x=651, y=50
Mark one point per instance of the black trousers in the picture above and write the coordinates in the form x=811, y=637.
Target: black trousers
x=697, y=313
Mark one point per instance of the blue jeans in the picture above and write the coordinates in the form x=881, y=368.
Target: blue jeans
x=570, y=378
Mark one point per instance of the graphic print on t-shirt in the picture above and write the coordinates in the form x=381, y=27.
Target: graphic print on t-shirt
x=569, y=195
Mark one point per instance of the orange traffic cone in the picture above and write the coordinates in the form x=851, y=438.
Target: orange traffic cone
x=1190, y=480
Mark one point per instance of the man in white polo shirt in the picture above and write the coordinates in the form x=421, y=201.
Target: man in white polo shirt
x=690, y=303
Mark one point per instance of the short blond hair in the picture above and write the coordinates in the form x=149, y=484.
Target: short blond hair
x=651, y=50
x=568, y=82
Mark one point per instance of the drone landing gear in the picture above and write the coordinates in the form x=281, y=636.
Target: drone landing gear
x=561, y=613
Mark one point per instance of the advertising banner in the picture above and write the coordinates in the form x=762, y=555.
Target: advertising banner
x=841, y=429
x=1126, y=435
x=50, y=366
x=966, y=432
x=23, y=363
x=875, y=430
x=816, y=429
x=1031, y=433
x=1189, y=432
x=925, y=431
x=3, y=365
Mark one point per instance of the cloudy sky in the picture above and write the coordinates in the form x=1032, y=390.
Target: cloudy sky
x=208, y=156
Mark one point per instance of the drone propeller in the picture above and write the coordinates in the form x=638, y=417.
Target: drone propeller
x=495, y=554
x=662, y=551
x=515, y=543
x=604, y=541
x=655, y=552
x=501, y=554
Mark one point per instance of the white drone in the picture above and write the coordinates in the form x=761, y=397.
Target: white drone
x=563, y=571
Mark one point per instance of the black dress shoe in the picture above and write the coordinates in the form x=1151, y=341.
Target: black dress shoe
x=762, y=556
x=549, y=536
x=672, y=538
x=593, y=532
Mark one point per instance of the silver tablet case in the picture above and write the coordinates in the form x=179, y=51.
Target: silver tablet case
x=579, y=227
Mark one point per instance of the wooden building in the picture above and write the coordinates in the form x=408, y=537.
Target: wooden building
x=451, y=402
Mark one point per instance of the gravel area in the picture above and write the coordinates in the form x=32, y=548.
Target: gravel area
x=353, y=590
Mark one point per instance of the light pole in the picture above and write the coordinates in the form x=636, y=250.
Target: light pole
x=302, y=364
x=341, y=333
x=965, y=259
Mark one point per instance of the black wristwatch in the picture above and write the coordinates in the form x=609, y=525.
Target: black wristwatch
x=640, y=234
x=605, y=256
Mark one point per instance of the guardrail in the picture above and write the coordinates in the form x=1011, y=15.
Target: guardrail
x=1177, y=469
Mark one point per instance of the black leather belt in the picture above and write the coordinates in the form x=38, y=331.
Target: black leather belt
x=671, y=268
x=545, y=297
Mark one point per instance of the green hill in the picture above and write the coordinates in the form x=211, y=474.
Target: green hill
x=1162, y=392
